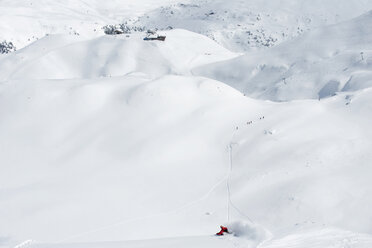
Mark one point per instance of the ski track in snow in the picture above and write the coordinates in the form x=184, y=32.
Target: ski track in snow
x=174, y=211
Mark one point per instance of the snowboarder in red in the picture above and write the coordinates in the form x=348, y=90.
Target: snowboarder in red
x=223, y=230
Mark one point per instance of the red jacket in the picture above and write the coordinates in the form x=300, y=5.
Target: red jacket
x=223, y=229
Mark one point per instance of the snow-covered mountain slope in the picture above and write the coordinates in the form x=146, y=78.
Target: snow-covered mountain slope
x=108, y=56
x=139, y=156
x=116, y=157
x=316, y=65
x=237, y=25
x=109, y=141
x=250, y=24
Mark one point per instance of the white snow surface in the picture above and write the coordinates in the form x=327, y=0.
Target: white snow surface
x=113, y=141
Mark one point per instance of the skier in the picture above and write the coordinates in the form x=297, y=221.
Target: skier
x=223, y=230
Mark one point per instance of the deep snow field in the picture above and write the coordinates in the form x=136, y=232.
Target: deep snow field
x=253, y=114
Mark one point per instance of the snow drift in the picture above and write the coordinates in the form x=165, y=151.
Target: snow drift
x=253, y=234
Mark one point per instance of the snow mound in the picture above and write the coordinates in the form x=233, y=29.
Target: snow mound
x=108, y=56
x=253, y=232
x=316, y=65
